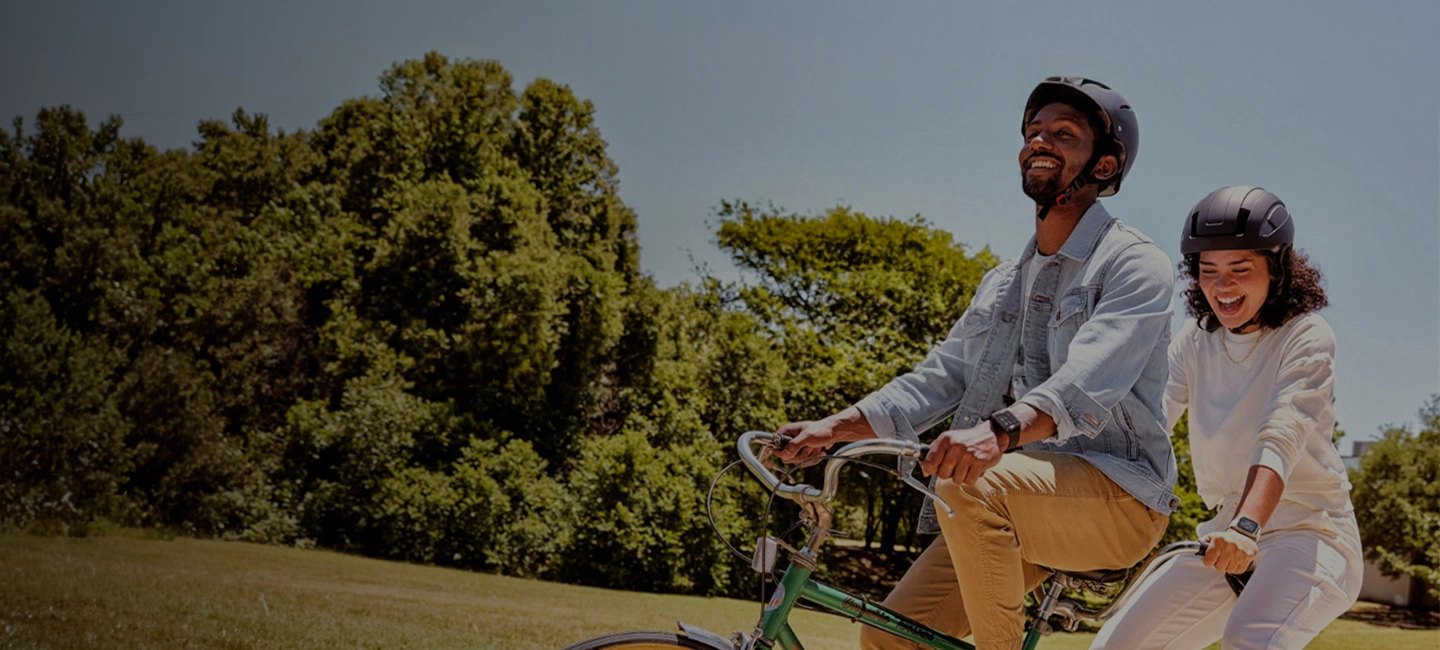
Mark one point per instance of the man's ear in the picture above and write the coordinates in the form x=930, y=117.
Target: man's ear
x=1106, y=167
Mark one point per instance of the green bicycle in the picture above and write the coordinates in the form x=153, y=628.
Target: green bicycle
x=796, y=584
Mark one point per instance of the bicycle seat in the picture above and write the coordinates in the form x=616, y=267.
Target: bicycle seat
x=1101, y=576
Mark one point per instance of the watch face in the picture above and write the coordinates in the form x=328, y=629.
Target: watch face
x=1005, y=421
x=1247, y=526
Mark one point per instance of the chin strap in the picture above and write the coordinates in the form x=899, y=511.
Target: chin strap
x=1068, y=193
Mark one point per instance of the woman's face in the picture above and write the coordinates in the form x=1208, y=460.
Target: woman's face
x=1235, y=283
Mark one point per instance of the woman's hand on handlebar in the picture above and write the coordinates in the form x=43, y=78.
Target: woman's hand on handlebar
x=1230, y=551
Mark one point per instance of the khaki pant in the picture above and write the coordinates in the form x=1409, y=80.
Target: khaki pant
x=1033, y=510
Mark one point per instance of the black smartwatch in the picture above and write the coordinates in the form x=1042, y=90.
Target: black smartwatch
x=1005, y=422
x=1247, y=527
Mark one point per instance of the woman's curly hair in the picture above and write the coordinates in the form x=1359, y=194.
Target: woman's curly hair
x=1294, y=289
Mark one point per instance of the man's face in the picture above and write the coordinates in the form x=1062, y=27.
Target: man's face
x=1058, y=142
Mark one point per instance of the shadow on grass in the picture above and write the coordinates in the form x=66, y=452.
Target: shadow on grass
x=1386, y=616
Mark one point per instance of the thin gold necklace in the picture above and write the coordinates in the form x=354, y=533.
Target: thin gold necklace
x=1226, y=347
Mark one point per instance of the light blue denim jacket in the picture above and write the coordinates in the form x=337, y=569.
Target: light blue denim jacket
x=1106, y=300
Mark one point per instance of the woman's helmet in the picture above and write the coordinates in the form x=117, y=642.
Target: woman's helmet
x=1111, y=112
x=1238, y=217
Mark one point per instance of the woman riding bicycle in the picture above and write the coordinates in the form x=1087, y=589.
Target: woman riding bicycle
x=1255, y=369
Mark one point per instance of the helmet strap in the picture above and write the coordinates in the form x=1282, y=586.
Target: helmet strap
x=1068, y=193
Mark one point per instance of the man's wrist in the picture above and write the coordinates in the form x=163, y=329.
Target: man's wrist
x=851, y=424
x=1006, y=428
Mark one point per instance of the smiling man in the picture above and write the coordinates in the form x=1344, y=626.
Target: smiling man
x=1061, y=357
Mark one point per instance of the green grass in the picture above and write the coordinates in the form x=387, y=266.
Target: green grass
x=124, y=592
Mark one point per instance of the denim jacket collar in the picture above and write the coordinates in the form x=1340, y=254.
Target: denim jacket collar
x=1083, y=239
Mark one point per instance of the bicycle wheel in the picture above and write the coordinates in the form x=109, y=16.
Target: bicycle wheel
x=640, y=641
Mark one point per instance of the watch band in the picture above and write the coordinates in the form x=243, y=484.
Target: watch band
x=1005, y=422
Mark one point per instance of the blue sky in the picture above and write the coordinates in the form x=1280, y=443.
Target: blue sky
x=893, y=109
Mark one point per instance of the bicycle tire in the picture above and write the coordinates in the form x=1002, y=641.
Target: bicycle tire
x=640, y=641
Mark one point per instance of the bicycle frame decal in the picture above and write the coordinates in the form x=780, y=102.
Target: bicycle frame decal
x=777, y=598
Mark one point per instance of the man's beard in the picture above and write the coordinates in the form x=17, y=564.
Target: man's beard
x=1042, y=190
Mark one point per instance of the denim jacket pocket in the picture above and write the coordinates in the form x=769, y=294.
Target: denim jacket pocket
x=1069, y=314
x=1072, y=304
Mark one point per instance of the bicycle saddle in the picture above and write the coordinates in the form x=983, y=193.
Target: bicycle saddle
x=1101, y=576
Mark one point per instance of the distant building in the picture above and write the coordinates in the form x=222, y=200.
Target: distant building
x=1377, y=587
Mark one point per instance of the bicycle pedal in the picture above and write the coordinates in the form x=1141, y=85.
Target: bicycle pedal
x=840, y=533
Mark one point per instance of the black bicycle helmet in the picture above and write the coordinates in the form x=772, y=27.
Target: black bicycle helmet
x=1121, y=129
x=1238, y=217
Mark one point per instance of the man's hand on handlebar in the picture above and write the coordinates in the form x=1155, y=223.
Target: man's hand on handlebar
x=806, y=440
x=963, y=455
x=810, y=438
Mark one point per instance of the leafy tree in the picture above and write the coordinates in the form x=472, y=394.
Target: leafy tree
x=1396, y=492
x=492, y=246
x=120, y=243
x=63, y=457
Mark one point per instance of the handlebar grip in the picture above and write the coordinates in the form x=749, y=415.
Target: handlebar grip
x=1237, y=581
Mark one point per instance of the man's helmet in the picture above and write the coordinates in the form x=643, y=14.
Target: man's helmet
x=1238, y=217
x=1111, y=111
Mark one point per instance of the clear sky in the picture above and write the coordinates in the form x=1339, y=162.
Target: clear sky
x=891, y=108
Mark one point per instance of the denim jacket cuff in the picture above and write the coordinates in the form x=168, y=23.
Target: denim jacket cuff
x=1087, y=416
x=878, y=417
x=1041, y=401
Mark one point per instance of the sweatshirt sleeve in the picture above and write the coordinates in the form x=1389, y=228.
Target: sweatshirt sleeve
x=1304, y=388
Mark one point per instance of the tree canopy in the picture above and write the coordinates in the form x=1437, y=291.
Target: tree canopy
x=1396, y=491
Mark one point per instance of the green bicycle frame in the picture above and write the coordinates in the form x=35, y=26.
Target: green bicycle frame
x=796, y=584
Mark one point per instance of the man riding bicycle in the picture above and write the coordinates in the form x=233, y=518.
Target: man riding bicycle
x=1060, y=357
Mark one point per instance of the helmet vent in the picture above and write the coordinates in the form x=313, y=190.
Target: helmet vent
x=1241, y=221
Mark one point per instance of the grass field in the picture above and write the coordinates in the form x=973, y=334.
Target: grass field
x=124, y=592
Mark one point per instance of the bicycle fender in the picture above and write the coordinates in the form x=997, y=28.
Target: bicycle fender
x=706, y=637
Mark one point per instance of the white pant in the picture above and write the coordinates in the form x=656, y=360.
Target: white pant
x=1303, y=580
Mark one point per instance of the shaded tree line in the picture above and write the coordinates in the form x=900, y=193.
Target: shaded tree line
x=420, y=331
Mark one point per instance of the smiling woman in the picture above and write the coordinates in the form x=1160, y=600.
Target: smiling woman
x=1259, y=395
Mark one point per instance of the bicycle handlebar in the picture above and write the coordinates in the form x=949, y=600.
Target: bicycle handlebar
x=806, y=494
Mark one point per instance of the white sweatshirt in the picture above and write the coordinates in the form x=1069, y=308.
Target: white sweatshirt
x=1263, y=398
